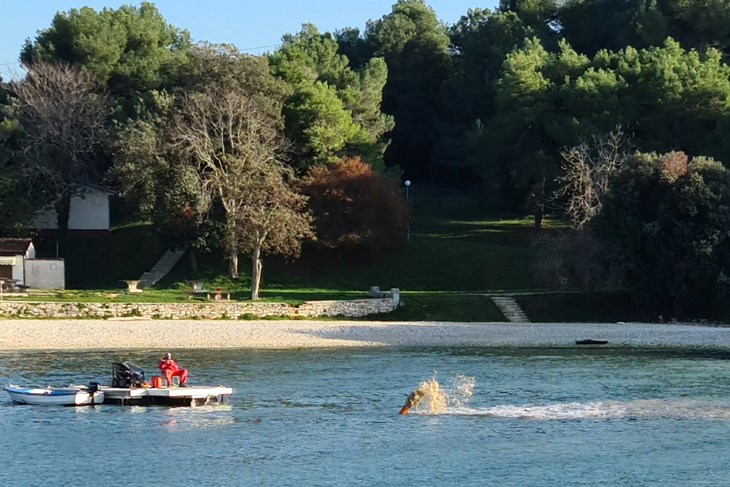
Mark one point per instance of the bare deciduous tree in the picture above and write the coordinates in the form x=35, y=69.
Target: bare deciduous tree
x=63, y=115
x=235, y=143
x=586, y=171
x=274, y=221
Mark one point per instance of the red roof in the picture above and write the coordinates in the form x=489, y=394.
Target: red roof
x=14, y=246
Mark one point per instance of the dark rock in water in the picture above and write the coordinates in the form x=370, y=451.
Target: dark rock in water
x=591, y=342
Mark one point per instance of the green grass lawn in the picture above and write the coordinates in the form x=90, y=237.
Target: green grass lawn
x=441, y=255
x=454, y=245
x=443, y=307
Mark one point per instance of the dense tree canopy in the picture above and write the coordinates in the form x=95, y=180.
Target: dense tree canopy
x=667, y=97
x=333, y=110
x=592, y=25
x=130, y=49
x=414, y=44
x=223, y=65
x=146, y=170
x=159, y=185
x=14, y=187
x=669, y=216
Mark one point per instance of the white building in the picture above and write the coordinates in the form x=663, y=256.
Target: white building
x=13, y=254
x=45, y=273
x=89, y=213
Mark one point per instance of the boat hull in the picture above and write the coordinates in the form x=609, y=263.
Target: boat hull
x=54, y=397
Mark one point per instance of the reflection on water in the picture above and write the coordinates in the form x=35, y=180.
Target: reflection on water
x=330, y=417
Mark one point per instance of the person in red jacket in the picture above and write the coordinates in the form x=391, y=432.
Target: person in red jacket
x=170, y=369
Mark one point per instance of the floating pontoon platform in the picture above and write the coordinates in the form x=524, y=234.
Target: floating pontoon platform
x=171, y=396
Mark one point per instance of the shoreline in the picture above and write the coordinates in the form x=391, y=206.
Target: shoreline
x=291, y=334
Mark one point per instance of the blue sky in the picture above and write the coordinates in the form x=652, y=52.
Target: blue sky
x=254, y=26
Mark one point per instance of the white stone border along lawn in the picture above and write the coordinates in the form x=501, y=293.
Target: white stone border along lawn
x=210, y=310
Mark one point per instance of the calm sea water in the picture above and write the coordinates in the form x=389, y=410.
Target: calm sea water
x=330, y=417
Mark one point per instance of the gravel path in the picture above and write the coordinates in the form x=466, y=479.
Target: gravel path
x=116, y=334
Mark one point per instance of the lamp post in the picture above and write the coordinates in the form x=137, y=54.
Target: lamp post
x=408, y=206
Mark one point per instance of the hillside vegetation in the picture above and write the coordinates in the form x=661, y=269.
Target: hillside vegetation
x=456, y=255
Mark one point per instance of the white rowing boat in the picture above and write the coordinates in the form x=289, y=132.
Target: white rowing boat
x=63, y=396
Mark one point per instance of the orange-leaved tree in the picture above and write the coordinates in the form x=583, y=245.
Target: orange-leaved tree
x=355, y=207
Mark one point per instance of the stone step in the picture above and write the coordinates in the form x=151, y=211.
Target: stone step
x=162, y=267
x=510, y=309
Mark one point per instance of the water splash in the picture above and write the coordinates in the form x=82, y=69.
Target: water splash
x=434, y=399
x=637, y=409
x=454, y=399
x=462, y=390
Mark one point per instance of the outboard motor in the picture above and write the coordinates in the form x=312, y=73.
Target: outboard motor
x=93, y=388
x=127, y=375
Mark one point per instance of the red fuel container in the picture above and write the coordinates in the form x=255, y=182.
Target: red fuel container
x=156, y=381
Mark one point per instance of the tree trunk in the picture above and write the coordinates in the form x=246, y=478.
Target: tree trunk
x=193, y=262
x=233, y=264
x=539, y=214
x=539, y=195
x=231, y=245
x=256, y=270
x=63, y=212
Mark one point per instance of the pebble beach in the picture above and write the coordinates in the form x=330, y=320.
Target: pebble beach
x=127, y=333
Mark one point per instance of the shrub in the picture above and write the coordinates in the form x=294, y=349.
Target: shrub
x=575, y=259
x=670, y=219
x=355, y=207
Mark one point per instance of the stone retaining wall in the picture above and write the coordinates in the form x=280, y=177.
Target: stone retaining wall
x=211, y=311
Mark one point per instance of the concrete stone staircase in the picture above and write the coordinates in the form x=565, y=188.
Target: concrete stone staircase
x=510, y=309
x=161, y=268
